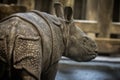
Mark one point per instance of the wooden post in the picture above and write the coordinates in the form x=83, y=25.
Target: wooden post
x=119, y=11
x=29, y=4
x=91, y=11
x=116, y=11
x=38, y=4
x=79, y=9
x=66, y=2
x=44, y=5
x=105, y=8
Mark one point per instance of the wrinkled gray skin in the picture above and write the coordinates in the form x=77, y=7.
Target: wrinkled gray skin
x=31, y=45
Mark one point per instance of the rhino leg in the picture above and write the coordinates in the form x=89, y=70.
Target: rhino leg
x=3, y=75
x=27, y=76
x=50, y=73
x=28, y=57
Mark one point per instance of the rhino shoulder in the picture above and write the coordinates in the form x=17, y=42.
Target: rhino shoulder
x=55, y=20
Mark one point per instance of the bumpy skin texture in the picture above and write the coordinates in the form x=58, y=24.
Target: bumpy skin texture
x=32, y=43
x=30, y=47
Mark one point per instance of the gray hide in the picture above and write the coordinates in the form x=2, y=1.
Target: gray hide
x=32, y=43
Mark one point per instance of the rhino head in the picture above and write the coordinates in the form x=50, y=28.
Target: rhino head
x=78, y=46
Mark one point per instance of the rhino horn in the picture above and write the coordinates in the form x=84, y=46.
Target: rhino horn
x=59, y=10
x=68, y=13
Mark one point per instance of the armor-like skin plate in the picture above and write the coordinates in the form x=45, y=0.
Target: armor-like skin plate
x=32, y=43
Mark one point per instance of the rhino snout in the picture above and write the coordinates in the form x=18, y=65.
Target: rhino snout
x=91, y=55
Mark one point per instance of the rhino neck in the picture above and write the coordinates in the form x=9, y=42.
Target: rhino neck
x=65, y=31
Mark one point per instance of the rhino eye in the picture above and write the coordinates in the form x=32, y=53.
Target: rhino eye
x=88, y=41
x=84, y=40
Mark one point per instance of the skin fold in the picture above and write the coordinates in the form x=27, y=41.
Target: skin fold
x=32, y=43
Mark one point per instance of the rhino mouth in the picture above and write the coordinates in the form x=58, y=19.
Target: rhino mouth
x=83, y=57
x=88, y=57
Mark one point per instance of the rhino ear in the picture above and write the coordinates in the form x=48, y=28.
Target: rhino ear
x=59, y=10
x=68, y=13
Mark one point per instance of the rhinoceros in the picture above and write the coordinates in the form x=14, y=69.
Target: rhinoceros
x=32, y=43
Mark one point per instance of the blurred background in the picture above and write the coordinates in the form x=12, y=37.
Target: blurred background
x=99, y=19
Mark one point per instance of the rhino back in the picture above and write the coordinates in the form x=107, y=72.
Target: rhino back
x=31, y=41
x=51, y=38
